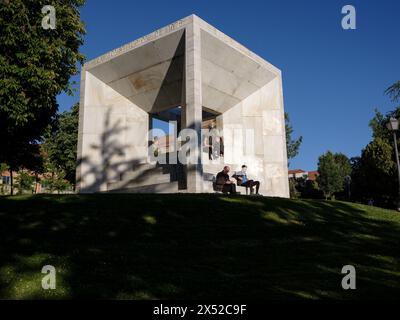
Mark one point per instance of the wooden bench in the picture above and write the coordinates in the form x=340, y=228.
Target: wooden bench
x=214, y=184
x=237, y=185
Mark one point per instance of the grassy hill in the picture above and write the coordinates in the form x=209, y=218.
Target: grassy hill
x=196, y=246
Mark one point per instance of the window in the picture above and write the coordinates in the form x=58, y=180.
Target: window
x=6, y=180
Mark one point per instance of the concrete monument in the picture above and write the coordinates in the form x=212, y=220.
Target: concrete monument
x=191, y=74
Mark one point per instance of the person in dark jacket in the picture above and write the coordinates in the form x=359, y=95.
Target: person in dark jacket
x=224, y=183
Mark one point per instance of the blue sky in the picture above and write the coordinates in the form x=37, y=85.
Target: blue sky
x=333, y=79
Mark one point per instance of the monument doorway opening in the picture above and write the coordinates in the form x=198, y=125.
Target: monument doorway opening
x=166, y=125
x=212, y=140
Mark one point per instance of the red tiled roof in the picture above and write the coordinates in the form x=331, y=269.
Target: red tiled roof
x=296, y=171
x=165, y=141
x=312, y=175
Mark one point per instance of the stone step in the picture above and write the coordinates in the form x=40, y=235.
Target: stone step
x=140, y=171
x=143, y=166
x=207, y=176
x=138, y=180
x=213, y=169
x=169, y=187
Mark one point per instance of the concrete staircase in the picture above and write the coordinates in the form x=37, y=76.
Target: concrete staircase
x=156, y=178
x=210, y=171
x=168, y=187
x=146, y=178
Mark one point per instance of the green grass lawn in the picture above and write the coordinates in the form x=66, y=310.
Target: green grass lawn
x=123, y=246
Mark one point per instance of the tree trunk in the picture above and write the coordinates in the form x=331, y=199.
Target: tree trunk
x=36, y=183
x=11, y=182
x=52, y=182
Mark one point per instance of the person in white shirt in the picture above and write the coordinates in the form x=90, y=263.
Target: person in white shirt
x=242, y=180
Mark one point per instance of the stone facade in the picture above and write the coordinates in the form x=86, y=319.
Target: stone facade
x=191, y=65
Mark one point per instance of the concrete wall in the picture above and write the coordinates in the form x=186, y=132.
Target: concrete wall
x=193, y=102
x=261, y=117
x=113, y=135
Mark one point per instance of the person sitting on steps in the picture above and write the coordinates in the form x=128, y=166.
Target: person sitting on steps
x=224, y=183
x=242, y=180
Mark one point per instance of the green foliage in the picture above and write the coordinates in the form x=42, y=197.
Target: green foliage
x=308, y=189
x=292, y=146
x=293, y=190
x=377, y=155
x=56, y=182
x=378, y=124
x=24, y=181
x=35, y=66
x=373, y=174
x=60, y=143
x=3, y=167
x=332, y=168
x=312, y=190
x=394, y=91
x=344, y=164
x=24, y=155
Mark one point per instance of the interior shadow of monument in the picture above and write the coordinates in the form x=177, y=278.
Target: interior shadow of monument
x=168, y=105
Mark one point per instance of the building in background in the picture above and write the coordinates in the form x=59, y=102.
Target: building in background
x=5, y=183
x=307, y=175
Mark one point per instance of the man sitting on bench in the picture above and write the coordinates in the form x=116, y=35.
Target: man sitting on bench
x=243, y=181
x=224, y=183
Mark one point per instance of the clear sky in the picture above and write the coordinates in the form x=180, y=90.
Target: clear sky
x=332, y=78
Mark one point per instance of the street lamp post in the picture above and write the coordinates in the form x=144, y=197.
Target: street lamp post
x=393, y=125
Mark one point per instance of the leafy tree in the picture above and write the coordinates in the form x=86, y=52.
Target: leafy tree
x=60, y=143
x=377, y=154
x=293, y=188
x=344, y=164
x=301, y=187
x=25, y=181
x=35, y=66
x=373, y=175
x=330, y=179
x=394, y=91
x=55, y=181
x=3, y=167
x=312, y=190
x=292, y=145
x=25, y=156
x=345, y=173
x=378, y=124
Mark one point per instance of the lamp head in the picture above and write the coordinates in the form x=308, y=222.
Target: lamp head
x=393, y=124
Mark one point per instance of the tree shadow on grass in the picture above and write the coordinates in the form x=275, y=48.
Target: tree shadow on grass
x=138, y=246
